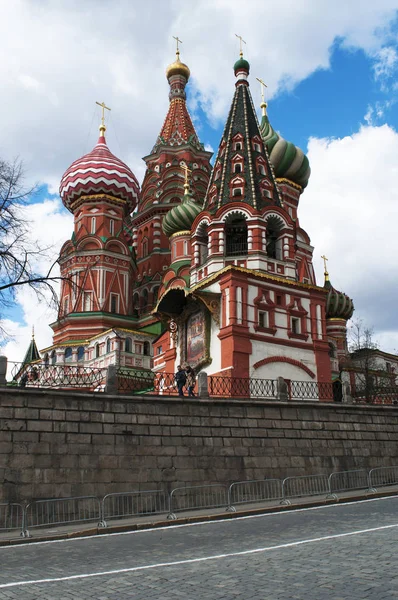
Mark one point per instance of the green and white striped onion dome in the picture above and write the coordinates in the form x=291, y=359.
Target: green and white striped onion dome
x=181, y=217
x=338, y=304
x=288, y=161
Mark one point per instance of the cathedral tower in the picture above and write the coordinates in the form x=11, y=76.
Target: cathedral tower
x=96, y=263
x=176, y=147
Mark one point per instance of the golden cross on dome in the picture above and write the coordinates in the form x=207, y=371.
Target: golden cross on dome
x=263, y=85
x=187, y=170
x=103, y=106
x=177, y=39
x=325, y=267
x=240, y=44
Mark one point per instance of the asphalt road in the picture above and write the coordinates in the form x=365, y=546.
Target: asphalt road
x=335, y=552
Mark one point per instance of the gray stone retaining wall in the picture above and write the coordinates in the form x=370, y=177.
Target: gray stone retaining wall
x=55, y=443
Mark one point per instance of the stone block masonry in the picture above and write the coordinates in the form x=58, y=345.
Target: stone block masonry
x=55, y=443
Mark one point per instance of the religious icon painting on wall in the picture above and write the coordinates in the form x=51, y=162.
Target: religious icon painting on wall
x=196, y=338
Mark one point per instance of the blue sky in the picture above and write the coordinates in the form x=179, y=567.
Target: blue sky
x=331, y=75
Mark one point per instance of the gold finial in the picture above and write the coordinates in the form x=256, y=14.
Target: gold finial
x=33, y=332
x=240, y=44
x=186, y=182
x=102, y=126
x=263, y=104
x=177, y=39
x=325, y=267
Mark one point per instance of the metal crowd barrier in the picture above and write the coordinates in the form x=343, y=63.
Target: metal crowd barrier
x=345, y=481
x=197, y=497
x=131, y=504
x=383, y=476
x=11, y=516
x=256, y=490
x=61, y=511
x=78, y=509
x=306, y=485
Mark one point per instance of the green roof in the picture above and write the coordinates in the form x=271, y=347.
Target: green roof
x=32, y=353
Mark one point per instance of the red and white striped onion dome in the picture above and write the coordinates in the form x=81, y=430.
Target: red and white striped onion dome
x=99, y=172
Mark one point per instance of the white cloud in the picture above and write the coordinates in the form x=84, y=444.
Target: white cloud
x=28, y=82
x=386, y=61
x=350, y=210
x=56, y=59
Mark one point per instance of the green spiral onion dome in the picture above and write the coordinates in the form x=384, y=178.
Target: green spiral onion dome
x=181, y=217
x=288, y=160
x=338, y=304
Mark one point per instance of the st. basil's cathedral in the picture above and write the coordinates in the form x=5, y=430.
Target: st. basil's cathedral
x=205, y=265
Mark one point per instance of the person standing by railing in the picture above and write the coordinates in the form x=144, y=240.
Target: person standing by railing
x=180, y=379
x=191, y=381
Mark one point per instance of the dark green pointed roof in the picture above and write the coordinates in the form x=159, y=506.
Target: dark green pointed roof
x=242, y=123
x=32, y=353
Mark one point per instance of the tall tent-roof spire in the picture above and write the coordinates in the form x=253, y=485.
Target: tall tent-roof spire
x=242, y=170
x=177, y=128
x=32, y=353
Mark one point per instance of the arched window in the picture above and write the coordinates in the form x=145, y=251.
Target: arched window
x=237, y=192
x=203, y=241
x=147, y=349
x=273, y=241
x=238, y=146
x=112, y=227
x=80, y=353
x=155, y=293
x=144, y=248
x=93, y=225
x=46, y=359
x=261, y=169
x=144, y=300
x=53, y=357
x=97, y=350
x=235, y=236
x=108, y=345
x=136, y=304
x=127, y=345
x=237, y=168
x=68, y=354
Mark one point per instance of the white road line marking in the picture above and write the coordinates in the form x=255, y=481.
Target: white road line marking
x=213, y=522
x=196, y=560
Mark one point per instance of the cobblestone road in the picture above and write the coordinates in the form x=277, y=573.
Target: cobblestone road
x=337, y=552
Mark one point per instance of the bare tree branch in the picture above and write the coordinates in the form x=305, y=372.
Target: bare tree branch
x=18, y=252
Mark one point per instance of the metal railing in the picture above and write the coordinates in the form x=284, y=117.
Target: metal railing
x=197, y=497
x=256, y=490
x=62, y=376
x=306, y=485
x=310, y=390
x=344, y=481
x=61, y=511
x=131, y=504
x=383, y=476
x=146, y=382
x=242, y=387
x=377, y=395
x=11, y=516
